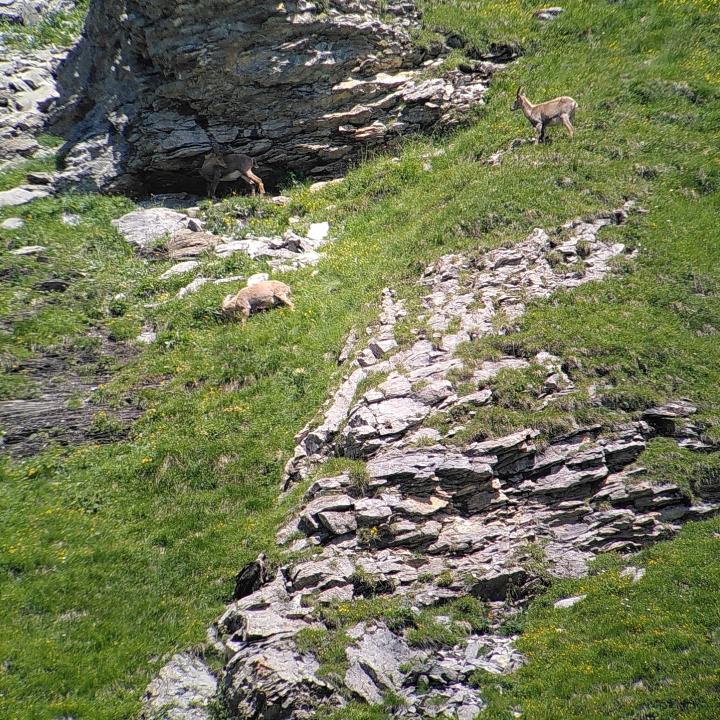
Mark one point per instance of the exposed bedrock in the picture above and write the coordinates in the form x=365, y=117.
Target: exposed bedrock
x=303, y=87
x=435, y=518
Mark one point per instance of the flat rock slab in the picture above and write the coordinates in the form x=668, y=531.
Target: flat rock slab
x=29, y=250
x=183, y=690
x=179, y=269
x=375, y=664
x=144, y=227
x=318, y=232
x=187, y=243
x=12, y=223
x=568, y=602
x=22, y=195
x=257, y=278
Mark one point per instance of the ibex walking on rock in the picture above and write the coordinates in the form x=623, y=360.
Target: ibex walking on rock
x=552, y=112
x=225, y=167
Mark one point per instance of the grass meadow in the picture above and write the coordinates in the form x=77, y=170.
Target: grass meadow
x=115, y=555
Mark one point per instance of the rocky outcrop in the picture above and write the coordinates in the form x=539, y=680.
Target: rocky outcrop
x=161, y=231
x=27, y=89
x=431, y=520
x=183, y=690
x=31, y=12
x=301, y=86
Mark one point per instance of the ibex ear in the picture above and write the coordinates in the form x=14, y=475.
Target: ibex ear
x=519, y=91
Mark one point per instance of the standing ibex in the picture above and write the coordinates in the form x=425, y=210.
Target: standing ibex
x=552, y=112
x=226, y=167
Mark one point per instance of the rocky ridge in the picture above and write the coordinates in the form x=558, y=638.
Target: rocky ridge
x=431, y=520
x=304, y=87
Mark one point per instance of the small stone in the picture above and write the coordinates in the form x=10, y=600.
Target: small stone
x=147, y=336
x=318, y=231
x=371, y=512
x=70, y=219
x=468, y=712
x=191, y=287
x=29, y=250
x=257, y=278
x=22, y=195
x=317, y=186
x=14, y=223
x=568, y=602
x=179, y=269
x=183, y=690
x=338, y=523
x=549, y=13
x=634, y=573
x=189, y=243
x=481, y=397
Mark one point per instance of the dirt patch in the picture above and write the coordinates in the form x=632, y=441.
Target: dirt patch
x=62, y=407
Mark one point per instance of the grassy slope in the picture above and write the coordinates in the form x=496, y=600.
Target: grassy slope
x=114, y=556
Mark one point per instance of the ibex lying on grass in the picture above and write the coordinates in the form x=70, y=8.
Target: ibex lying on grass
x=225, y=167
x=262, y=296
x=552, y=112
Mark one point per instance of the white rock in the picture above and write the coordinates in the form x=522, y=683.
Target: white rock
x=183, y=690
x=634, y=573
x=147, y=336
x=21, y=195
x=229, y=279
x=568, y=602
x=143, y=227
x=13, y=223
x=257, y=278
x=29, y=250
x=179, y=269
x=71, y=219
x=317, y=186
x=190, y=288
x=318, y=231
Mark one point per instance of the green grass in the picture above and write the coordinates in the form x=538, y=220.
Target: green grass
x=644, y=650
x=60, y=28
x=114, y=556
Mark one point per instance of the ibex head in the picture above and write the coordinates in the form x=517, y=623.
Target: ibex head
x=518, y=102
x=214, y=158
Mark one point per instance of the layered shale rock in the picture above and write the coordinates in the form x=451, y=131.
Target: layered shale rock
x=303, y=87
x=431, y=519
x=31, y=12
x=27, y=89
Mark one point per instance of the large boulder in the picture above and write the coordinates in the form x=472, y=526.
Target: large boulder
x=302, y=87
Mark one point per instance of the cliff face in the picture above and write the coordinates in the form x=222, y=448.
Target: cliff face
x=303, y=87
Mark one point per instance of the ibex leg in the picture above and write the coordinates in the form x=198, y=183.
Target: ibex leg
x=283, y=298
x=257, y=181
